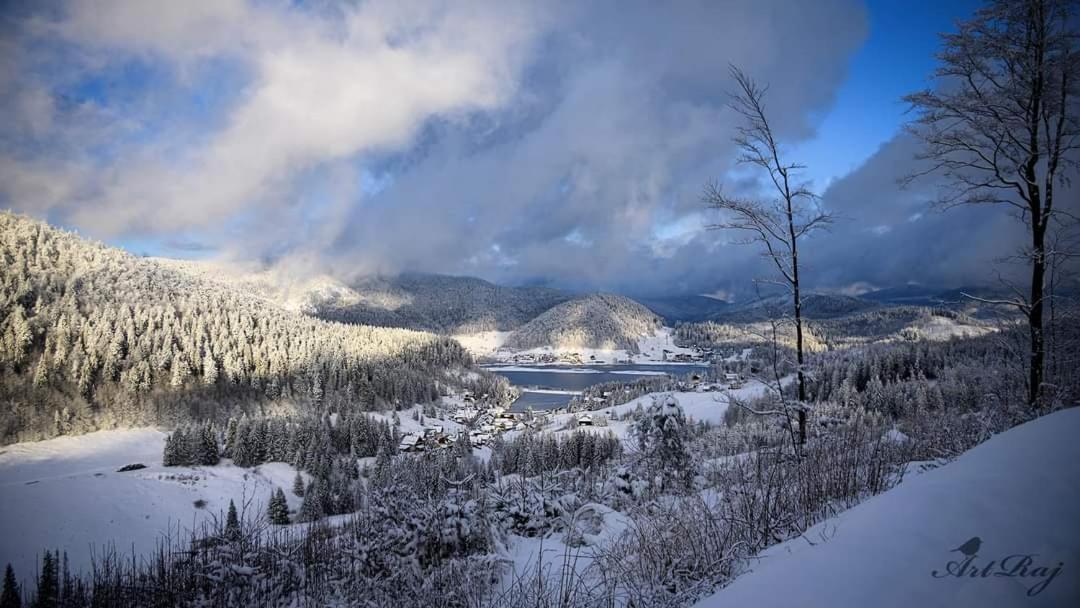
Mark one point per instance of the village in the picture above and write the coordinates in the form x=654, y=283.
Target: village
x=480, y=421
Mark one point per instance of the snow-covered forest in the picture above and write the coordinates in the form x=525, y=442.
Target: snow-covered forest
x=94, y=337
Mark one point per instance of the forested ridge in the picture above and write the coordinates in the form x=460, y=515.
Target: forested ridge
x=93, y=337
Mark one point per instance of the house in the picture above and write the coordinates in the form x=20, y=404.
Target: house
x=410, y=443
x=585, y=420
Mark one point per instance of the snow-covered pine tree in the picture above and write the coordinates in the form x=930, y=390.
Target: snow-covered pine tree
x=311, y=509
x=278, y=509
x=208, y=446
x=298, y=485
x=232, y=523
x=662, y=437
x=230, y=436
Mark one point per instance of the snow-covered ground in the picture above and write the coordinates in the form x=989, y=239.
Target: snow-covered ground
x=1018, y=493
x=489, y=345
x=697, y=407
x=66, y=494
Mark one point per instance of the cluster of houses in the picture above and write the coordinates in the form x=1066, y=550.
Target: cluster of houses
x=698, y=383
x=541, y=358
x=698, y=356
x=430, y=438
x=481, y=424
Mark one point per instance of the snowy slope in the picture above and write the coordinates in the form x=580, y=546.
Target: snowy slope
x=1018, y=492
x=66, y=494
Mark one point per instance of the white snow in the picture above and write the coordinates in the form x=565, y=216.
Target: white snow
x=697, y=407
x=482, y=344
x=1018, y=492
x=65, y=494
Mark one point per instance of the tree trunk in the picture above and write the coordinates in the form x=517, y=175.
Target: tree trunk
x=1035, y=317
x=798, y=311
x=799, y=361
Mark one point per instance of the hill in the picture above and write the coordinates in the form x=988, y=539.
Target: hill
x=94, y=337
x=601, y=321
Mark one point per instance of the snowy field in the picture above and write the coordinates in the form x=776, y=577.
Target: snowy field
x=1018, y=493
x=66, y=494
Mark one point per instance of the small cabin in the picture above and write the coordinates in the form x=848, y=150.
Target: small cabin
x=585, y=420
x=410, y=443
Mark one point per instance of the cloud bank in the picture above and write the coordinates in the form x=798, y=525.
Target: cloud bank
x=547, y=142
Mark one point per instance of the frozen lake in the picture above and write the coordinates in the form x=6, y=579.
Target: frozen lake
x=574, y=379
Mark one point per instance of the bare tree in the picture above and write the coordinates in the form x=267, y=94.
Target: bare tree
x=774, y=223
x=1002, y=129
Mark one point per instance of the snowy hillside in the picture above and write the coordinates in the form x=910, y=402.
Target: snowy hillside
x=600, y=321
x=1017, y=493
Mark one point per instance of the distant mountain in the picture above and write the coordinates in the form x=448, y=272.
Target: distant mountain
x=604, y=321
x=814, y=306
x=93, y=337
x=440, y=303
x=685, y=309
x=426, y=302
x=960, y=299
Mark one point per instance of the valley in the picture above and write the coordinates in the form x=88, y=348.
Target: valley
x=527, y=304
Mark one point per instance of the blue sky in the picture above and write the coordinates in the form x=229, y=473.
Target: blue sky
x=897, y=59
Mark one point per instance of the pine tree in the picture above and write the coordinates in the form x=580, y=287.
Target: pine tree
x=10, y=597
x=298, y=485
x=232, y=523
x=168, y=457
x=208, y=448
x=661, y=435
x=311, y=509
x=230, y=437
x=278, y=509
x=48, y=591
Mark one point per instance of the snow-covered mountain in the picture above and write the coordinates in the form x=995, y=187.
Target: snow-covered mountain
x=439, y=303
x=600, y=321
x=427, y=302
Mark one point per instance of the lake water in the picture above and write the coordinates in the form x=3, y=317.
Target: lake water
x=576, y=379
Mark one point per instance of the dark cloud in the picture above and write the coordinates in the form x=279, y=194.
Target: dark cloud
x=893, y=235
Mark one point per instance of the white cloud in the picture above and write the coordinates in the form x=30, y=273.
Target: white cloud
x=324, y=86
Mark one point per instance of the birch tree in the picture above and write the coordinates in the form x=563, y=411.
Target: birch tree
x=776, y=222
